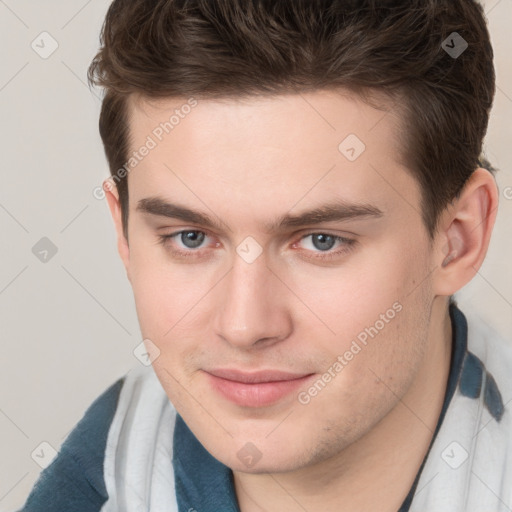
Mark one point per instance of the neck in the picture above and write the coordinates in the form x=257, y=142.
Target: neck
x=378, y=470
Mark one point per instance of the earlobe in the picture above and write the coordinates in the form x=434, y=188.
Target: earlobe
x=112, y=196
x=465, y=232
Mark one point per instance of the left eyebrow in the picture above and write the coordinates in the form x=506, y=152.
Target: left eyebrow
x=331, y=212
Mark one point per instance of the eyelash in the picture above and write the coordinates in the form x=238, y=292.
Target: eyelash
x=348, y=244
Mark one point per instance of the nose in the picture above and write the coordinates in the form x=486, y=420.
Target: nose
x=252, y=308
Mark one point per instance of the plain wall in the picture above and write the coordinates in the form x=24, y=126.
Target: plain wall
x=68, y=326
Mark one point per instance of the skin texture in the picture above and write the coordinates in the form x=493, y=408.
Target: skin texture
x=358, y=444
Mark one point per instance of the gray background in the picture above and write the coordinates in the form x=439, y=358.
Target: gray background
x=68, y=325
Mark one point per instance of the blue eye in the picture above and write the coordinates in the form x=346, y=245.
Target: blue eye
x=321, y=245
x=321, y=241
x=190, y=238
x=194, y=238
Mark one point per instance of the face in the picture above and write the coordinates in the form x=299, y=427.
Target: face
x=342, y=299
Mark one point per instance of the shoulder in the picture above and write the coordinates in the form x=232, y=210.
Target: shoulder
x=491, y=347
x=140, y=446
x=74, y=480
x=486, y=373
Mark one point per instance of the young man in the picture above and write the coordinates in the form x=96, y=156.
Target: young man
x=298, y=192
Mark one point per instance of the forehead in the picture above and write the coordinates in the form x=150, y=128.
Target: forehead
x=281, y=149
x=320, y=115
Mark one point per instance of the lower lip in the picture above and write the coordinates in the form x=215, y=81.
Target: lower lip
x=256, y=395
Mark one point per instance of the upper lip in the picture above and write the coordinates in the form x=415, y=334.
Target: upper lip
x=255, y=377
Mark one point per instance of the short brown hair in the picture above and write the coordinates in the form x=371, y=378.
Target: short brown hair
x=233, y=48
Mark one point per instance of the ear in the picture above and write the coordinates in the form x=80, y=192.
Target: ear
x=464, y=233
x=112, y=195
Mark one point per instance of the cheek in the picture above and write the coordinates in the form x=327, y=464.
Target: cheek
x=353, y=296
x=165, y=293
x=377, y=314
x=390, y=324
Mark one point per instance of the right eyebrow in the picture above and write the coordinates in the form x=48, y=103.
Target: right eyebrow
x=162, y=208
